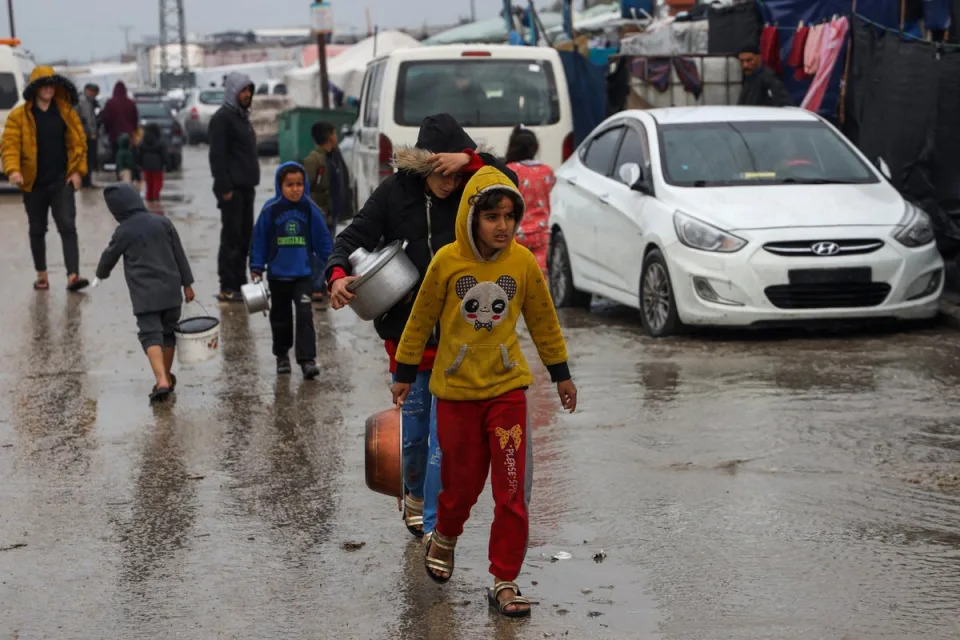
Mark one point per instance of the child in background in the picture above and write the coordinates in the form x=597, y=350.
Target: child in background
x=155, y=267
x=536, y=180
x=290, y=237
x=477, y=288
x=154, y=160
x=126, y=160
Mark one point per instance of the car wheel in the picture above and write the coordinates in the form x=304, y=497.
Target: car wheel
x=561, y=276
x=658, y=305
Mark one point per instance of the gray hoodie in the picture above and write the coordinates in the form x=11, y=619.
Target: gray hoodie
x=233, y=84
x=154, y=263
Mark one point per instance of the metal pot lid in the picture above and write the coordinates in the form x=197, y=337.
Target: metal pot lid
x=374, y=262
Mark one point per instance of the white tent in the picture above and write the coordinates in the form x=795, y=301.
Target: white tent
x=345, y=70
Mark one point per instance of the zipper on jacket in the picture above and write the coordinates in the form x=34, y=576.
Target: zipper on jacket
x=429, y=225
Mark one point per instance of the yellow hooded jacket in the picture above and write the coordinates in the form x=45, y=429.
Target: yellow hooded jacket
x=478, y=303
x=18, y=148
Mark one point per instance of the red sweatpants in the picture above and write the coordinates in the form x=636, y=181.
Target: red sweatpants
x=154, y=180
x=474, y=437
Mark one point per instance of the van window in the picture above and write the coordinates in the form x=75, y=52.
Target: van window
x=8, y=91
x=478, y=92
x=263, y=90
x=280, y=90
x=211, y=97
x=371, y=107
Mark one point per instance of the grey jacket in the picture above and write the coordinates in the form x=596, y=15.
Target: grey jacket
x=154, y=263
x=87, y=108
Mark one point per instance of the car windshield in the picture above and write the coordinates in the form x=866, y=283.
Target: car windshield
x=153, y=110
x=745, y=153
x=211, y=97
x=478, y=92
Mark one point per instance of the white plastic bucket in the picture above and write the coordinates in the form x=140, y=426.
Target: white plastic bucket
x=198, y=338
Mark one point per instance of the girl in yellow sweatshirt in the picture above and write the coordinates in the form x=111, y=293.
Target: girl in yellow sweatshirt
x=477, y=288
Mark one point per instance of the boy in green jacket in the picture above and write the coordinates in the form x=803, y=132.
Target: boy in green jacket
x=327, y=177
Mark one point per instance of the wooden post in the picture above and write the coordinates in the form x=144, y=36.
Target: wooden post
x=322, y=61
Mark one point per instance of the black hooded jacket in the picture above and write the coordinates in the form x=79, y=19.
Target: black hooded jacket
x=233, y=143
x=153, y=151
x=398, y=210
x=154, y=263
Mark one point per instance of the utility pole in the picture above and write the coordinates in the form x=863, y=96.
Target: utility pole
x=13, y=28
x=322, y=20
x=126, y=37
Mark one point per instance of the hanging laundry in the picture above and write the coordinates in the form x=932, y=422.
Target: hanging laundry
x=770, y=49
x=795, y=59
x=830, y=52
x=689, y=75
x=811, y=51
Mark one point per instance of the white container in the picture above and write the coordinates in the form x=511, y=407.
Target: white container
x=198, y=338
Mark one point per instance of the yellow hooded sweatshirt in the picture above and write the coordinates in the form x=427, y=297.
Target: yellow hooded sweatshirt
x=18, y=147
x=478, y=303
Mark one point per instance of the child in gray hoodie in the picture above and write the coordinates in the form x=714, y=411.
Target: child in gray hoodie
x=155, y=267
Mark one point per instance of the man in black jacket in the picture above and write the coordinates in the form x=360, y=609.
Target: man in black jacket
x=761, y=86
x=419, y=204
x=236, y=174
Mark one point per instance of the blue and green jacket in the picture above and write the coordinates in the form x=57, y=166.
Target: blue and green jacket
x=289, y=237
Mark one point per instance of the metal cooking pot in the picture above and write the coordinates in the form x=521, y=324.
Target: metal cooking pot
x=386, y=277
x=256, y=296
x=384, y=453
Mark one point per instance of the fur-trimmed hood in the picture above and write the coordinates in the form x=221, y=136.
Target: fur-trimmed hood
x=414, y=160
x=46, y=76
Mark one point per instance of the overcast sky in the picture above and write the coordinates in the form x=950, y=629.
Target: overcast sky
x=81, y=29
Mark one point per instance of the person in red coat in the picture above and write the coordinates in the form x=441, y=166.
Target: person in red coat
x=119, y=116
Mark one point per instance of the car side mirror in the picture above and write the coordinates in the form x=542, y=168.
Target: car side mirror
x=631, y=174
x=346, y=130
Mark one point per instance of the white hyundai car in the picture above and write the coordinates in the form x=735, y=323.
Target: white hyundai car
x=736, y=216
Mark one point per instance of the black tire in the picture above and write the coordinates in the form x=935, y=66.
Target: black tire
x=562, y=288
x=658, y=304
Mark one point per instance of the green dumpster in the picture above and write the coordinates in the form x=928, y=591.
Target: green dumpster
x=294, y=139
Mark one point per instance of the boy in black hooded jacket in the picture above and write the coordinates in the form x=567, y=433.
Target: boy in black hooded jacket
x=155, y=267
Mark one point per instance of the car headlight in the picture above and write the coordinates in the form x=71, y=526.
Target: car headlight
x=915, y=229
x=697, y=234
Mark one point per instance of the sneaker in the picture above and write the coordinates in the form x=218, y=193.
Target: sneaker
x=283, y=365
x=310, y=370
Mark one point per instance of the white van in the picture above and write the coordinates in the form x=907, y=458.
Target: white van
x=16, y=65
x=489, y=89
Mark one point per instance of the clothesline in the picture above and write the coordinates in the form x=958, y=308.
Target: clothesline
x=905, y=35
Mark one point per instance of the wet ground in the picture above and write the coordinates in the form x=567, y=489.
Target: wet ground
x=740, y=485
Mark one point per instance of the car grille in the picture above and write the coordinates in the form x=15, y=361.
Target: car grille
x=830, y=295
x=804, y=248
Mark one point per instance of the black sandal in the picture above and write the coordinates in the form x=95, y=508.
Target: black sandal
x=159, y=394
x=229, y=296
x=41, y=285
x=433, y=564
x=413, y=515
x=501, y=606
x=78, y=284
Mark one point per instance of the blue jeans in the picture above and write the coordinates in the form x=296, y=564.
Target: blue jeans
x=421, y=451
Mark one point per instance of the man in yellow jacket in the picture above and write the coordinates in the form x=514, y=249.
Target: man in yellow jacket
x=44, y=152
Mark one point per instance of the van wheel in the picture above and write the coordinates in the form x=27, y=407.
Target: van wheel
x=658, y=305
x=561, y=276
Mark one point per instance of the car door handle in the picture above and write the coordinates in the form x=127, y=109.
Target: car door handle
x=572, y=181
x=605, y=198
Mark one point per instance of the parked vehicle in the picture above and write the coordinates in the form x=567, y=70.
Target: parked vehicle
x=156, y=111
x=199, y=106
x=264, y=115
x=272, y=88
x=488, y=88
x=16, y=65
x=736, y=216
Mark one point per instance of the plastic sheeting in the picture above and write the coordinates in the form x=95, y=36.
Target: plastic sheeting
x=903, y=109
x=587, y=83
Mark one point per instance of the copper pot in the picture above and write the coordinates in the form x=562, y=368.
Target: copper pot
x=384, y=453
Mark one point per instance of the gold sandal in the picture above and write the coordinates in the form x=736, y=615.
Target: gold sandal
x=413, y=515
x=501, y=606
x=434, y=564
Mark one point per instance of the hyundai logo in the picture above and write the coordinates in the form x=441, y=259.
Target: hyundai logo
x=825, y=248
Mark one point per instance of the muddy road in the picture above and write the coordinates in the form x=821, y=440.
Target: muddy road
x=740, y=486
